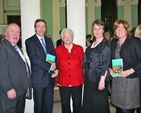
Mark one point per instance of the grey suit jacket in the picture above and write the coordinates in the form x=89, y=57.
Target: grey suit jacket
x=13, y=72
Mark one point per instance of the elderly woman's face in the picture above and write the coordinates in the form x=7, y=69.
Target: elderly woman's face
x=67, y=38
x=121, y=31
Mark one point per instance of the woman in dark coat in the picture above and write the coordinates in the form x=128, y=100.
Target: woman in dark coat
x=125, y=88
x=95, y=65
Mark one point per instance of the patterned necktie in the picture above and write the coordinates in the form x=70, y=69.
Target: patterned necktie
x=43, y=45
x=15, y=46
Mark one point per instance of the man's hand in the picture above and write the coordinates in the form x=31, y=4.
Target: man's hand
x=55, y=74
x=11, y=94
x=53, y=66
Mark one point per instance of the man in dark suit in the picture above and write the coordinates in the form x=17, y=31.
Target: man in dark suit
x=59, y=41
x=88, y=40
x=14, y=74
x=43, y=72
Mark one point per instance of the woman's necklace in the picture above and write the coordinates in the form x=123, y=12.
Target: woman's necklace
x=95, y=44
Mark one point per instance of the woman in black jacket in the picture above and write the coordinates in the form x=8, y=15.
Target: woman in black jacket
x=95, y=64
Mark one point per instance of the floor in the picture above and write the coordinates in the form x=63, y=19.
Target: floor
x=57, y=105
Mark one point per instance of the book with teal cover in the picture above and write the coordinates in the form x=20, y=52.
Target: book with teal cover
x=50, y=58
x=117, y=65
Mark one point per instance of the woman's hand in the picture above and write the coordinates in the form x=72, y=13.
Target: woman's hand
x=127, y=72
x=111, y=72
x=101, y=85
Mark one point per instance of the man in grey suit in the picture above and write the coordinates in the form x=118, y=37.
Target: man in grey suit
x=14, y=76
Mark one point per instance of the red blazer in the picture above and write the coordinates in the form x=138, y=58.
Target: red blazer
x=70, y=66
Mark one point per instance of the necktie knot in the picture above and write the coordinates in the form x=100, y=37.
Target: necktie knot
x=15, y=46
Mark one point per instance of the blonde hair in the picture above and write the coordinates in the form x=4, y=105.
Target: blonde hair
x=138, y=31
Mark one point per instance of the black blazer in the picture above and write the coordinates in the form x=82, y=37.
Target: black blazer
x=59, y=42
x=130, y=53
x=13, y=73
x=99, y=61
x=90, y=42
x=40, y=75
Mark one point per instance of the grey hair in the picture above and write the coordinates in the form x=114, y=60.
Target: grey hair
x=67, y=30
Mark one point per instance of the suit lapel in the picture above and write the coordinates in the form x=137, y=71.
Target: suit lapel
x=38, y=43
x=46, y=43
x=10, y=46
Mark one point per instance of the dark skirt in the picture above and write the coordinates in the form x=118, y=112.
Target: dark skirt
x=94, y=100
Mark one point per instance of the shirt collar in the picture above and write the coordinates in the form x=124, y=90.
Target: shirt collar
x=39, y=37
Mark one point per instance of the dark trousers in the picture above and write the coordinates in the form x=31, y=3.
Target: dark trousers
x=75, y=93
x=118, y=110
x=16, y=105
x=43, y=99
x=139, y=110
x=1, y=111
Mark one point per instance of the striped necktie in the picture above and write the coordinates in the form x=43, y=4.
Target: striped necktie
x=43, y=45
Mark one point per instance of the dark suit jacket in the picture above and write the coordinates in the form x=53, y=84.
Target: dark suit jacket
x=90, y=42
x=13, y=73
x=130, y=53
x=59, y=42
x=40, y=75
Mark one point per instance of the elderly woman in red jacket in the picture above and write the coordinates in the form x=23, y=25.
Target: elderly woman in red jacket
x=70, y=77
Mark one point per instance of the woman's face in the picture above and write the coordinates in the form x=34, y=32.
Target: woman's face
x=98, y=31
x=67, y=38
x=121, y=31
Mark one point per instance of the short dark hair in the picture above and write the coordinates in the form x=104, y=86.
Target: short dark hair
x=40, y=20
x=98, y=22
x=88, y=36
x=60, y=31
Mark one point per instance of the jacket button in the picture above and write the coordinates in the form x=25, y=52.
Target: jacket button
x=69, y=75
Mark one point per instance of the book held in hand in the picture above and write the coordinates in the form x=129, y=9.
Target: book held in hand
x=117, y=65
x=50, y=58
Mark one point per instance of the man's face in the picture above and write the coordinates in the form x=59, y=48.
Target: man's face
x=88, y=39
x=13, y=33
x=107, y=36
x=40, y=28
